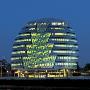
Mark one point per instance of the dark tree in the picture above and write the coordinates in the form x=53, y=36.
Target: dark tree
x=87, y=67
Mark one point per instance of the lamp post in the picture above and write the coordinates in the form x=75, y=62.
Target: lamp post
x=7, y=73
x=46, y=73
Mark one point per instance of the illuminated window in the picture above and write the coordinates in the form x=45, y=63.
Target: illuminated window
x=64, y=40
x=63, y=45
x=16, y=64
x=63, y=51
x=60, y=34
x=27, y=34
x=32, y=29
x=18, y=52
x=67, y=57
x=15, y=58
x=57, y=28
x=19, y=46
x=23, y=40
x=58, y=23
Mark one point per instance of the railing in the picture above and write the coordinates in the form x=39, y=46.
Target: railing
x=26, y=78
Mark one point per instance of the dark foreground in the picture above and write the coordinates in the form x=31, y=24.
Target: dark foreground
x=48, y=84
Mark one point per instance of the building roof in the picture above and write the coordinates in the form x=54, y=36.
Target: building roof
x=47, y=20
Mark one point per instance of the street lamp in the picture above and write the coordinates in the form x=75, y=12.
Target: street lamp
x=7, y=73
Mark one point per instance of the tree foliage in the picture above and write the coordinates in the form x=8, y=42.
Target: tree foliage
x=87, y=66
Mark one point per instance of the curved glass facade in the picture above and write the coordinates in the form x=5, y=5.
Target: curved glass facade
x=45, y=43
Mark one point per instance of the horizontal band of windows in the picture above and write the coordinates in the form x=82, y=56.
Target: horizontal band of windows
x=58, y=43
x=16, y=64
x=45, y=64
x=16, y=58
x=58, y=23
x=32, y=28
x=39, y=47
x=24, y=34
x=42, y=23
x=60, y=36
x=39, y=34
x=65, y=64
x=67, y=57
x=63, y=51
x=18, y=52
x=28, y=27
x=63, y=45
x=35, y=58
x=31, y=24
x=57, y=28
x=52, y=57
x=19, y=46
x=38, y=53
x=64, y=40
x=23, y=40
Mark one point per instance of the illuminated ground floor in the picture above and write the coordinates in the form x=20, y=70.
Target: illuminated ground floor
x=42, y=73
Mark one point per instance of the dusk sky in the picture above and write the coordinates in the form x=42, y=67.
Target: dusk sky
x=14, y=14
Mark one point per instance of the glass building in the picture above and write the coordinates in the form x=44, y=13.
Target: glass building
x=46, y=43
